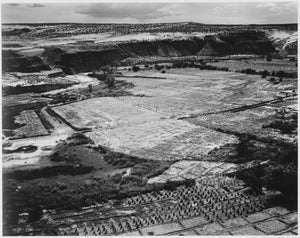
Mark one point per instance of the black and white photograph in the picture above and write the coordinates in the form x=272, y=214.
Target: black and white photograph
x=144, y=118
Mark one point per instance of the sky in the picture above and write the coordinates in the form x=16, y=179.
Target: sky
x=138, y=12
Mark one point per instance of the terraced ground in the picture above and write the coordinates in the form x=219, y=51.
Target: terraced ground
x=192, y=118
x=32, y=125
x=214, y=206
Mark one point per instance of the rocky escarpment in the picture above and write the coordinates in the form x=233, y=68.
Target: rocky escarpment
x=249, y=42
x=15, y=32
x=87, y=60
x=92, y=57
x=285, y=42
x=15, y=62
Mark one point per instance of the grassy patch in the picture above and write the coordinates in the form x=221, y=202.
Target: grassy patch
x=82, y=174
x=279, y=174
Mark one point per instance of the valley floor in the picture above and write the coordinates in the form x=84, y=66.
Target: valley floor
x=193, y=119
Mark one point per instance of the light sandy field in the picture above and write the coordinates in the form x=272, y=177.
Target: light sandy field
x=148, y=126
x=44, y=144
x=188, y=91
x=104, y=112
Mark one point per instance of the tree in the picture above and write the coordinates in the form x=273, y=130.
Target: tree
x=135, y=68
x=90, y=87
x=269, y=58
x=108, y=75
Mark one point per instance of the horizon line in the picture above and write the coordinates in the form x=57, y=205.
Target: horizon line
x=216, y=24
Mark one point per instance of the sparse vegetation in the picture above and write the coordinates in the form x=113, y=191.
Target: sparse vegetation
x=280, y=173
x=77, y=156
x=158, y=67
x=135, y=68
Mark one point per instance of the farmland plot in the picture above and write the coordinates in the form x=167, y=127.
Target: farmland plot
x=258, y=65
x=187, y=91
x=104, y=112
x=32, y=125
x=147, y=127
x=162, y=140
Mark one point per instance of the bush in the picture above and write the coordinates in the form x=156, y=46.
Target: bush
x=285, y=126
x=116, y=178
x=248, y=71
x=135, y=68
x=163, y=71
x=280, y=174
x=283, y=178
x=264, y=73
x=35, y=214
x=158, y=67
x=208, y=67
x=272, y=79
x=79, y=139
x=132, y=180
x=181, y=64
x=282, y=74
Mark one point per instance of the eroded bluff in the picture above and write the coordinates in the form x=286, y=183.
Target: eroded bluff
x=91, y=57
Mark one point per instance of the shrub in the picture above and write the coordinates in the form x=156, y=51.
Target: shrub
x=158, y=67
x=248, y=71
x=132, y=180
x=208, y=67
x=283, y=178
x=280, y=174
x=163, y=71
x=285, y=127
x=135, y=68
x=116, y=178
x=272, y=79
x=264, y=73
x=35, y=214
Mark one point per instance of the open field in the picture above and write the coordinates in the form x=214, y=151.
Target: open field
x=143, y=126
x=259, y=65
x=187, y=91
x=103, y=112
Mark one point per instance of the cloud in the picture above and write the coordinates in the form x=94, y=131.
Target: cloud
x=147, y=12
x=35, y=5
x=139, y=11
x=13, y=4
x=277, y=6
